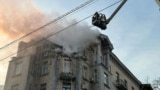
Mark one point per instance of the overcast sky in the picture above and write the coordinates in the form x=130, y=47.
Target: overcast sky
x=134, y=32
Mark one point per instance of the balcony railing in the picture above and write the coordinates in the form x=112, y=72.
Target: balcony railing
x=68, y=76
x=120, y=84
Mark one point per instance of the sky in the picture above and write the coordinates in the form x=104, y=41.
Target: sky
x=134, y=31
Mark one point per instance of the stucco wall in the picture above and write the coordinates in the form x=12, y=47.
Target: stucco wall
x=20, y=79
x=115, y=67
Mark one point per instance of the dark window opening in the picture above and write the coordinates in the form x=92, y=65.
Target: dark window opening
x=132, y=88
x=117, y=76
x=66, y=86
x=43, y=86
x=105, y=79
x=125, y=83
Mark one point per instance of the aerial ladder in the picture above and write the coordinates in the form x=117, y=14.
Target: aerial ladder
x=158, y=3
x=100, y=19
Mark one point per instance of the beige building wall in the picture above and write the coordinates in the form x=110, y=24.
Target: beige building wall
x=1, y=87
x=116, y=67
x=21, y=78
x=96, y=58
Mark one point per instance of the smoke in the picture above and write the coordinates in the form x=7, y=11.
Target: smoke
x=18, y=17
x=76, y=38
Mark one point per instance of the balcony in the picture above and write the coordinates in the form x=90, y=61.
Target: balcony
x=120, y=84
x=68, y=76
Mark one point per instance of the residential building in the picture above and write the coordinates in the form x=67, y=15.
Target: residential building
x=45, y=66
x=1, y=87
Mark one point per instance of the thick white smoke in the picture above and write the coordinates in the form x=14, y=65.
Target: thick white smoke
x=76, y=38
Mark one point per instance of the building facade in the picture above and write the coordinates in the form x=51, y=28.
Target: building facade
x=44, y=66
x=1, y=87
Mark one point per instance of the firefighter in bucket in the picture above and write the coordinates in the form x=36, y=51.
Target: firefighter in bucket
x=99, y=20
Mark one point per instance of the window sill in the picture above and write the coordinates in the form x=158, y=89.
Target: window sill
x=85, y=78
x=17, y=75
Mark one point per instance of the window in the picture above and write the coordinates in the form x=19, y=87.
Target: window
x=14, y=87
x=105, y=60
x=84, y=71
x=117, y=76
x=95, y=75
x=18, y=68
x=67, y=66
x=125, y=83
x=43, y=86
x=44, y=68
x=105, y=78
x=66, y=86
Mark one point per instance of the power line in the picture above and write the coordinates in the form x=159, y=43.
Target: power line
x=60, y=31
x=53, y=21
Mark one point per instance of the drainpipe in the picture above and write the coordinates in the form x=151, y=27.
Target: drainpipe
x=78, y=73
x=55, y=72
x=99, y=68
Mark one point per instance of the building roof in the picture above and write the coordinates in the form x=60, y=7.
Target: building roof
x=116, y=59
x=105, y=40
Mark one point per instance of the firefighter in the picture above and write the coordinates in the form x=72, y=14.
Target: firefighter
x=99, y=20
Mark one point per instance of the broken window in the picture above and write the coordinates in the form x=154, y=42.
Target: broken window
x=67, y=65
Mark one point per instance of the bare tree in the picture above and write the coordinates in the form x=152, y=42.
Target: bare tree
x=156, y=84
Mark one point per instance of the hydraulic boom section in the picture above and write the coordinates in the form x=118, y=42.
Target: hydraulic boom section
x=100, y=20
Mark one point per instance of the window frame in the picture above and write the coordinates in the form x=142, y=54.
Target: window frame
x=43, y=86
x=45, y=68
x=15, y=87
x=117, y=76
x=95, y=75
x=106, y=79
x=125, y=83
x=66, y=86
x=84, y=71
x=18, y=68
x=67, y=63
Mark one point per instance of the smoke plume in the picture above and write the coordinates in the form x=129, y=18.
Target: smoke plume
x=76, y=38
x=18, y=17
